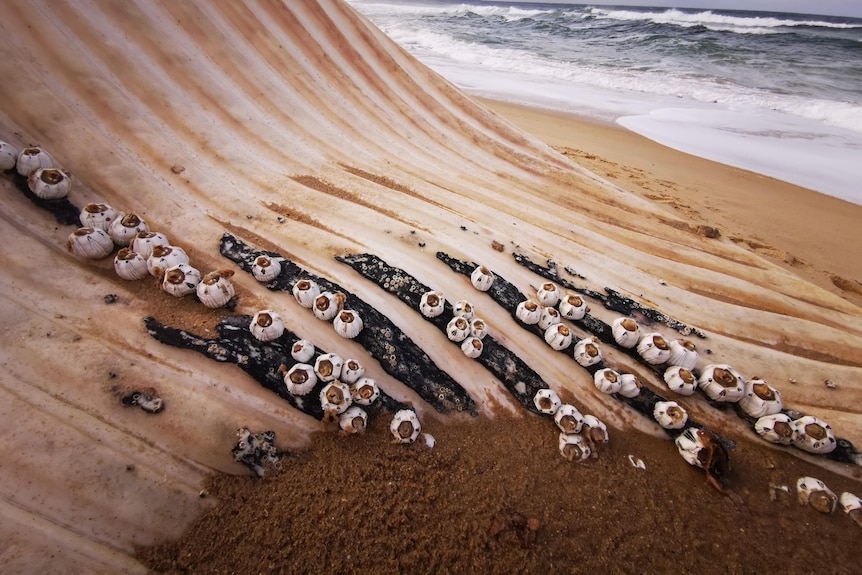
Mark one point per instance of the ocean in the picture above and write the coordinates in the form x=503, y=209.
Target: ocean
x=778, y=94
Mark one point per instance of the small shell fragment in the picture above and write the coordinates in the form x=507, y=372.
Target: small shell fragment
x=670, y=415
x=636, y=462
x=306, y=291
x=90, y=243
x=405, y=426
x=130, y=265
x=722, y=383
x=215, y=289
x=482, y=278
x=573, y=447
x=265, y=269
x=547, y=401
x=432, y=304
x=266, y=325
x=626, y=332
x=813, y=492
x=569, y=419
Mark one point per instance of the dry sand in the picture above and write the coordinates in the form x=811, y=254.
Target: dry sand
x=302, y=126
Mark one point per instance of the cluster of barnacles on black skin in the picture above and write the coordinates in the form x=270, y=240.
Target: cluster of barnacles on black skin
x=257, y=451
x=148, y=400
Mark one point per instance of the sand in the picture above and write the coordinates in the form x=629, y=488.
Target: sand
x=316, y=136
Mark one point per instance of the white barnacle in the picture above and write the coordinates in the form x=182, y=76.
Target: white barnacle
x=353, y=420
x=690, y=443
x=558, y=336
x=472, y=347
x=595, y=429
x=266, y=325
x=482, y=278
x=573, y=447
x=302, y=350
x=181, y=280
x=722, y=383
x=347, y=323
x=607, y=380
x=670, y=415
x=814, y=493
x=432, y=304
x=300, y=379
x=587, y=352
x=653, y=348
x=306, y=291
x=124, y=228
x=351, y=371
x=568, y=418
x=129, y=264
x=548, y=294
x=680, y=380
x=164, y=257
x=8, y=156
x=630, y=385
x=814, y=435
x=478, y=328
x=457, y=329
x=90, y=243
x=528, y=312
x=549, y=316
x=547, y=401
x=99, y=216
x=335, y=397
x=463, y=308
x=364, y=391
x=327, y=305
x=265, y=269
x=683, y=353
x=777, y=428
x=145, y=241
x=852, y=506
x=573, y=307
x=760, y=399
x=626, y=332
x=49, y=183
x=32, y=158
x=405, y=426
x=215, y=289
x=328, y=366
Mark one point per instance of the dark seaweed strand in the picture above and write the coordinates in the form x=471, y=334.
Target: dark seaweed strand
x=397, y=354
x=261, y=360
x=613, y=300
x=643, y=403
x=65, y=212
x=518, y=378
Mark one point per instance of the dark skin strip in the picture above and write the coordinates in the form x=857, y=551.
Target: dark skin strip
x=65, y=212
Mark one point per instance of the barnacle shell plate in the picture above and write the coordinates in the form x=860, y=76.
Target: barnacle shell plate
x=405, y=426
x=683, y=354
x=547, y=401
x=90, y=243
x=722, y=383
x=478, y=328
x=777, y=428
x=626, y=332
x=595, y=428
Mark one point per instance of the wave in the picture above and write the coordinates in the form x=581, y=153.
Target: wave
x=719, y=22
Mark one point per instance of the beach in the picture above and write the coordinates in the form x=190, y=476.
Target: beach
x=316, y=137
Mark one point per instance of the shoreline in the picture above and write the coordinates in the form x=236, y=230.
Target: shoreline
x=743, y=205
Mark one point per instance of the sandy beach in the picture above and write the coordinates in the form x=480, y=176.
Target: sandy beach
x=361, y=149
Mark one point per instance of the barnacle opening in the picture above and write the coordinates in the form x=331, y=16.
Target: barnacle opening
x=562, y=330
x=821, y=501
x=591, y=350
x=264, y=319
x=32, y=151
x=531, y=306
x=347, y=316
x=477, y=343
x=325, y=367
x=763, y=391
x=611, y=376
x=126, y=254
x=175, y=276
x=724, y=377
x=572, y=452
x=686, y=375
x=629, y=324
x=545, y=403
x=568, y=423
x=334, y=395
x=95, y=208
x=303, y=285
x=461, y=323
x=676, y=413
x=352, y=364
x=405, y=429
x=263, y=261
x=130, y=220
x=51, y=177
x=660, y=342
x=783, y=429
x=322, y=303
x=433, y=300
x=366, y=391
x=575, y=301
x=83, y=232
x=358, y=423
x=816, y=431
x=161, y=251
x=687, y=344
x=298, y=376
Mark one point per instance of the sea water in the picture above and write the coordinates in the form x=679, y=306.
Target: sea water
x=778, y=94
